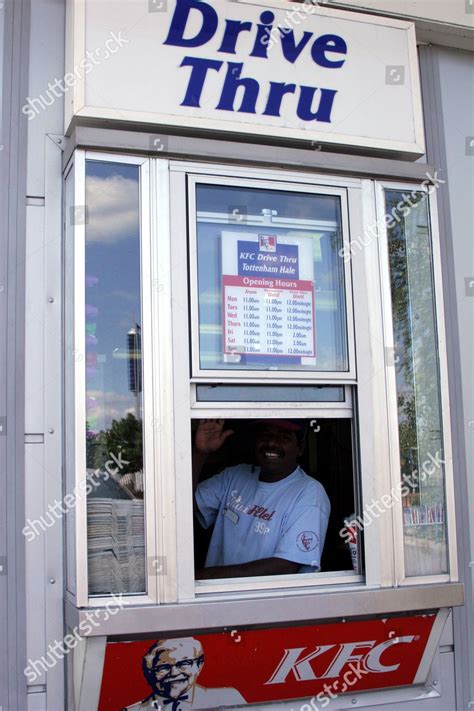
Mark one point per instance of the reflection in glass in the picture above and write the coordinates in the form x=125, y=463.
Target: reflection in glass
x=69, y=403
x=114, y=450
x=271, y=283
x=269, y=393
x=417, y=376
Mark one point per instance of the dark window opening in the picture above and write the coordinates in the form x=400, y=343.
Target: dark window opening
x=325, y=455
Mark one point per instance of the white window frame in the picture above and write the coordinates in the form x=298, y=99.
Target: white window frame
x=379, y=566
x=331, y=408
x=241, y=374
x=439, y=320
x=169, y=399
x=77, y=420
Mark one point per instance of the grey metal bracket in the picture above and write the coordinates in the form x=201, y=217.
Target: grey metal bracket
x=58, y=140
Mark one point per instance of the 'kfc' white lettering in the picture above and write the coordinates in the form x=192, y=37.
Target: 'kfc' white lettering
x=301, y=669
x=372, y=660
x=344, y=654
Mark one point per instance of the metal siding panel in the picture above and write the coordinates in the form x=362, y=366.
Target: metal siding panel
x=285, y=609
x=37, y=702
x=448, y=123
x=34, y=320
x=447, y=638
x=88, y=666
x=458, y=114
x=53, y=415
x=192, y=147
x=35, y=555
x=445, y=11
x=43, y=377
x=12, y=246
x=47, y=64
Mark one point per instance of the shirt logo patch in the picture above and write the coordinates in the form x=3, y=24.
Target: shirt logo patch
x=235, y=503
x=307, y=541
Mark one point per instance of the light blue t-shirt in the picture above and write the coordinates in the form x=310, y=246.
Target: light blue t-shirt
x=257, y=519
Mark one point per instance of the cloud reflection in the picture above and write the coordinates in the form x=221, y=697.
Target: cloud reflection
x=113, y=208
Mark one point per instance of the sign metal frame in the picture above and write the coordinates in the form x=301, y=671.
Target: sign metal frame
x=78, y=111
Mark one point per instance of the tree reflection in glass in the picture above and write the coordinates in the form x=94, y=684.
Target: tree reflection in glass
x=114, y=450
x=415, y=358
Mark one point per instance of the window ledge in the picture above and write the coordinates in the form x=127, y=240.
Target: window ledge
x=135, y=620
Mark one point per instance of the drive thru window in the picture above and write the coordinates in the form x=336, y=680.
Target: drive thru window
x=201, y=293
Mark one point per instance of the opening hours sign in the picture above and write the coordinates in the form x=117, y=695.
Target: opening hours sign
x=268, y=298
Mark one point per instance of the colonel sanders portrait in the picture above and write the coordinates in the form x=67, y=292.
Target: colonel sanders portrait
x=171, y=668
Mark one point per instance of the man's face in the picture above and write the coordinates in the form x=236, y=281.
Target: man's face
x=277, y=450
x=176, y=671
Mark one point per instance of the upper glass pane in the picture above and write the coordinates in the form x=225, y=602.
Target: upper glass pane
x=115, y=514
x=270, y=282
x=417, y=375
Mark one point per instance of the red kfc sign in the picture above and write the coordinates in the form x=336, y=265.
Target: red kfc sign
x=243, y=667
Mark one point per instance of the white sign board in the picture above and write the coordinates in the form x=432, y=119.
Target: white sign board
x=270, y=68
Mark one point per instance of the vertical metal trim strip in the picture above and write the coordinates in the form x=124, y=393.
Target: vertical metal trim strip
x=436, y=154
x=13, y=157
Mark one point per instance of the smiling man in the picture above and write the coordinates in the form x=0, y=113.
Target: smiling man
x=171, y=668
x=268, y=520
